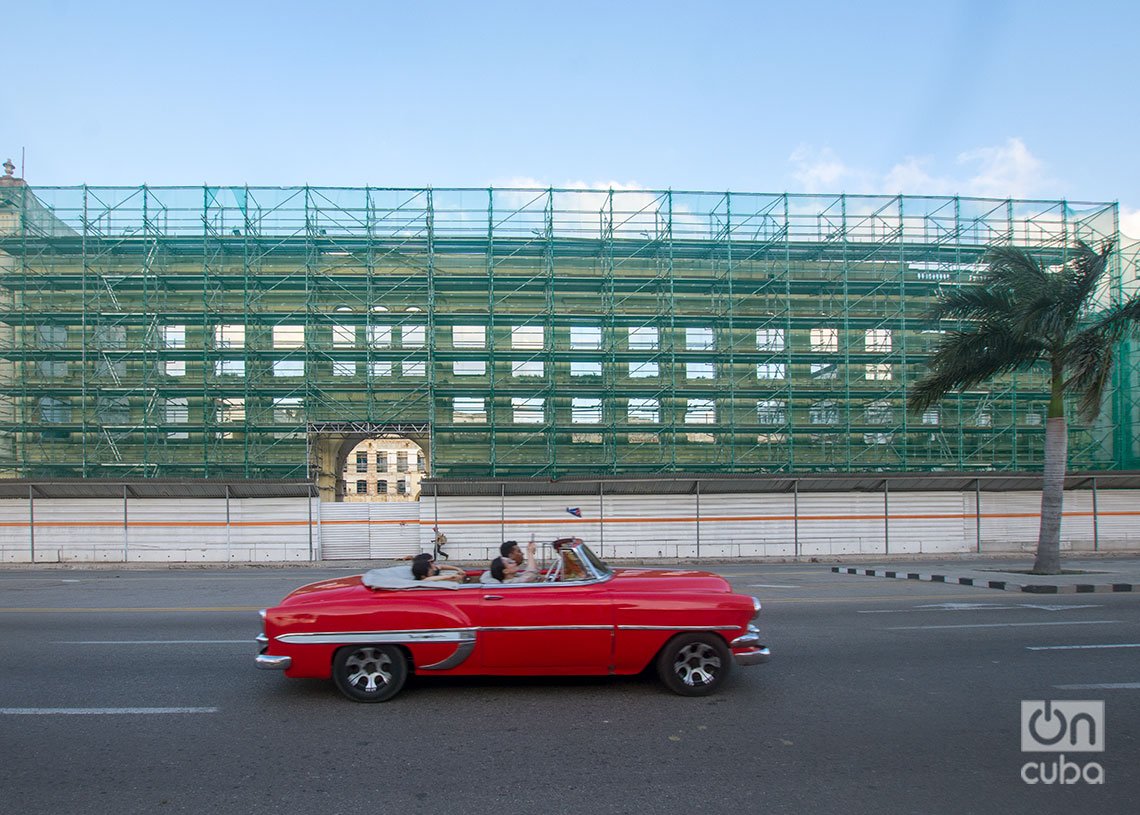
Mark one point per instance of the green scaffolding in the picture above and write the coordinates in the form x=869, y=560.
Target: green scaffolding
x=220, y=331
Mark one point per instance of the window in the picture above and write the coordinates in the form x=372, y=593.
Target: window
x=700, y=370
x=771, y=370
x=110, y=410
x=468, y=336
x=878, y=438
x=229, y=367
x=527, y=337
x=769, y=339
x=983, y=417
x=379, y=336
x=174, y=336
x=642, y=370
x=413, y=368
x=54, y=411
x=288, y=367
x=585, y=411
x=413, y=336
x=772, y=411
x=879, y=412
x=877, y=339
x=879, y=371
x=176, y=410
x=383, y=368
x=469, y=367
x=700, y=411
x=344, y=336
x=644, y=411
x=288, y=336
x=289, y=410
x=825, y=411
x=343, y=367
x=824, y=370
x=50, y=369
x=643, y=338
x=362, y=461
x=1033, y=418
x=825, y=339
x=402, y=486
x=528, y=411
x=585, y=337
x=231, y=410
x=229, y=336
x=585, y=369
x=361, y=487
x=932, y=416
x=175, y=367
x=105, y=368
x=115, y=336
x=468, y=409
x=381, y=461
x=700, y=339
x=528, y=368
x=51, y=336
x=402, y=461
x=381, y=487
x=420, y=461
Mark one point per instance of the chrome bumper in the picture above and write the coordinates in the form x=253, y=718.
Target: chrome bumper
x=271, y=663
x=757, y=656
x=755, y=653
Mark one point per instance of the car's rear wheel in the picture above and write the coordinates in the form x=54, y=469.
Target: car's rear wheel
x=370, y=673
x=694, y=664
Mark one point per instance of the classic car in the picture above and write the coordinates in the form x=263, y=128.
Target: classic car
x=369, y=632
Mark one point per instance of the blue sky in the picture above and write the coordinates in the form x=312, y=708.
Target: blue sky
x=1032, y=99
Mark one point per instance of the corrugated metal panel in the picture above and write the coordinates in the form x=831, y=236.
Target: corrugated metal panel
x=1117, y=521
x=90, y=530
x=15, y=537
x=927, y=522
x=841, y=523
x=393, y=529
x=344, y=532
x=1010, y=521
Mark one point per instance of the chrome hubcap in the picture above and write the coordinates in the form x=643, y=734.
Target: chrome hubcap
x=697, y=664
x=369, y=670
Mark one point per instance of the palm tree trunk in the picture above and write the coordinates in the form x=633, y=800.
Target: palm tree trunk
x=1053, y=484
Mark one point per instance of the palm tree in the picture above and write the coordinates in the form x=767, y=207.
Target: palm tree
x=1022, y=313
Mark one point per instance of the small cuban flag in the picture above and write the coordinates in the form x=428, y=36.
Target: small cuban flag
x=575, y=511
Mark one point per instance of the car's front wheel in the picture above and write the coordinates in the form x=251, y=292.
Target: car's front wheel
x=370, y=673
x=694, y=664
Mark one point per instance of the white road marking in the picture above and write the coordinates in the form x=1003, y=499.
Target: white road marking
x=1080, y=647
x=770, y=586
x=1102, y=686
x=1001, y=625
x=100, y=711
x=976, y=607
x=248, y=641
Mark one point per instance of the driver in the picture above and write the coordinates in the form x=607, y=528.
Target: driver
x=506, y=570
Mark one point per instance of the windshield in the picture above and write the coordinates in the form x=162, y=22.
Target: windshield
x=597, y=563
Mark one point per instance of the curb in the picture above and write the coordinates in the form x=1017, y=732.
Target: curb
x=999, y=585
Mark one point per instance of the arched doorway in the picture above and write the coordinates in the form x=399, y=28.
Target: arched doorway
x=331, y=444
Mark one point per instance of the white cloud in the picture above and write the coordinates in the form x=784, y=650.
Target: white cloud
x=1130, y=223
x=1006, y=171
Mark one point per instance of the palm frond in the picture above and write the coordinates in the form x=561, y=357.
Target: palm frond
x=1089, y=355
x=972, y=303
x=1009, y=266
x=1082, y=273
x=966, y=359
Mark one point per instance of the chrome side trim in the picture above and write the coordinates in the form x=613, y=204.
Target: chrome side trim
x=678, y=627
x=380, y=637
x=547, y=628
x=270, y=663
x=458, y=658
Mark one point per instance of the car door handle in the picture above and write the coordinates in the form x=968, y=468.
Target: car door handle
x=492, y=597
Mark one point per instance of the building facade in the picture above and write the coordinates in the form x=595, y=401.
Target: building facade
x=238, y=332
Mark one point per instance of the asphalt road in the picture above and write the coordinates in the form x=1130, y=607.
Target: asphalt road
x=135, y=692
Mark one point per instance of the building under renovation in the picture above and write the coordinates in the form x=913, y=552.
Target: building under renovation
x=240, y=332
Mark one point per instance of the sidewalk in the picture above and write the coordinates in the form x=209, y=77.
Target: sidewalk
x=1083, y=575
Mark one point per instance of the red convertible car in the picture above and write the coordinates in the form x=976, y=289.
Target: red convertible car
x=368, y=632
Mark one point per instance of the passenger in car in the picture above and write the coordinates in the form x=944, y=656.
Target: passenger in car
x=505, y=570
x=425, y=568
